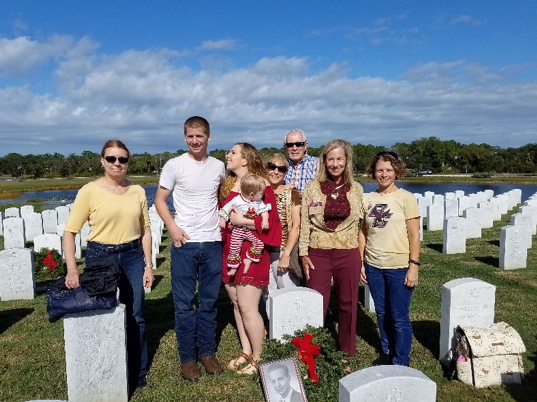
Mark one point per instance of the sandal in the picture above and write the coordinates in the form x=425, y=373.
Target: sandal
x=237, y=362
x=250, y=369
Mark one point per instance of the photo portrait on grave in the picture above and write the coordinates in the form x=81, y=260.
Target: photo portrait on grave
x=285, y=269
x=119, y=222
x=331, y=212
x=196, y=252
x=390, y=247
x=281, y=381
x=244, y=289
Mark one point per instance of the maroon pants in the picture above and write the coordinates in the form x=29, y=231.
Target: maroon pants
x=344, y=266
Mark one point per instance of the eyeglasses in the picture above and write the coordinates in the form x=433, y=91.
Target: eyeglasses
x=391, y=153
x=292, y=144
x=112, y=159
x=272, y=166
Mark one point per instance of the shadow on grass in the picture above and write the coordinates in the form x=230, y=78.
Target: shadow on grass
x=10, y=317
x=428, y=334
x=157, y=280
x=435, y=246
x=494, y=243
x=160, y=261
x=492, y=261
x=366, y=327
x=159, y=319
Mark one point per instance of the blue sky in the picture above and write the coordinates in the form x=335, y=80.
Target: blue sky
x=74, y=74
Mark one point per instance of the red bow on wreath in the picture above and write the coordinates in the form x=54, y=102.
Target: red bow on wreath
x=306, y=352
x=50, y=261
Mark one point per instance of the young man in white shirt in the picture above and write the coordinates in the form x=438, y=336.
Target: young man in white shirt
x=196, y=256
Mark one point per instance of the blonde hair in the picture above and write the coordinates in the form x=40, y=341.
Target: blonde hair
x=278, y=157
x=254, y=164
x=252, y=184
x=348, y=175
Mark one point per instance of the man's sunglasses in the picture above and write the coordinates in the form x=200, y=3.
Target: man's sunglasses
x=272, y=166
x=391, y=153
x=292, y=144
x=112, y=159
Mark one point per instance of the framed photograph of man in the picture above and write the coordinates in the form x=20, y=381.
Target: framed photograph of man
x=281, y=381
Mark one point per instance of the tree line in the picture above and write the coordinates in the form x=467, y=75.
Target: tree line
x=425, y=153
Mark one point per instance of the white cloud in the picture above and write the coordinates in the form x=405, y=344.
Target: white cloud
x=465, y=20
x=222, y=44
x=144, y=96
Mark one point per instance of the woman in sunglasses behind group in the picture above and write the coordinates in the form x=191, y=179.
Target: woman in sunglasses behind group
x=390, y=246
x=119, y=223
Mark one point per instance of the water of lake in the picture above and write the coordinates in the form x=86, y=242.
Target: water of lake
x=52, y=199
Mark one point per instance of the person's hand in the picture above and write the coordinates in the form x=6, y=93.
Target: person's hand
x=148, y=277
x=411, y=278
x=71, y=279
x=307, y=265
x=221, y=223
x=236, y=218
x=283, y=263
x=264, y=225
x=363, y=276
x=178, y=235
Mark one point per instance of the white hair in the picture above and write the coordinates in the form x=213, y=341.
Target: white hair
x=295, y=131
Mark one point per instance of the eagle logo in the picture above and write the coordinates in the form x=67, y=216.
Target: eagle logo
x=381, y=213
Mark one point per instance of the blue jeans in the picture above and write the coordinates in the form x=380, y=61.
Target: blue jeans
x=392, y=305
x=131, y=294
x=196, y=328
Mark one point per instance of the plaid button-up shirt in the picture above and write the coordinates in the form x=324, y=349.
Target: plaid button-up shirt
x=302, y=172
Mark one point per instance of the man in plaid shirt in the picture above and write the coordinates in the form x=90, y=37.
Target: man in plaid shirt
x=302, y=167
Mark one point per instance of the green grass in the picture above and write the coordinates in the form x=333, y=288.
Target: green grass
x=32, y=357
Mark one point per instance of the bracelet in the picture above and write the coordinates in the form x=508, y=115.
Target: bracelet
x=149, y=266
x=414, y=262
x=245, y=224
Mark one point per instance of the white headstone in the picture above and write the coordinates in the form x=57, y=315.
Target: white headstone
x=524, y=220
x=63, y=213
x=435, y=217
x=26, y=210
x=387, y=383
x=292, y=309
x=465, y=301
x=496, y=208
x=473, y=218
x=489, y=194
x=96, y=356
x=50, y=241
x=438, y=199
x=459, y=193
x=454, y=236
x=1, y=225
x=513, y=247
x=13, y=233
x=423, y=203
x=464, y=203
x=16, y=274
x=487, y=214
x=450, y=196
x=33, y=225
x=50, y=220
x=369, y=303
x=12, y=212
x=451, y=207
x=421, y=227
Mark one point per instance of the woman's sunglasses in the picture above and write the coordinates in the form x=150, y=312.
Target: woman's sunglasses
x=112, y=159
x=272, y=166
x=391, y=153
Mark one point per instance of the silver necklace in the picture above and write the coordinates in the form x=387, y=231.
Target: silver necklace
x=335, y=195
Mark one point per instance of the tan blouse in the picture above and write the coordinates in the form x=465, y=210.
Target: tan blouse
x=285, y=202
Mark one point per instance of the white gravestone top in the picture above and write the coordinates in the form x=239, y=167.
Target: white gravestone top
x=50, y=220
x=12, y=212
x=454, y=236
x=513, y=247
x=33, y=225
x=465, y=301
x=435, y=217
x=13, y=233
x=63, y=213
x=387, y=384
x=50, y=241
x=26, y=210
x=96, y=356
x=292, y=309
x=17, y=274
x=1, y=225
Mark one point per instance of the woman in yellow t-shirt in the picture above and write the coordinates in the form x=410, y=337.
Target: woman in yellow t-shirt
x=390, y=246
x=119, y=226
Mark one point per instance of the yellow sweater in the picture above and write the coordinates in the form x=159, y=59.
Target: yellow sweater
x=113, y=218
x=313, y=230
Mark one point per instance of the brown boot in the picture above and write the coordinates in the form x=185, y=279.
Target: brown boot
x=191, y=371
x=211, y=363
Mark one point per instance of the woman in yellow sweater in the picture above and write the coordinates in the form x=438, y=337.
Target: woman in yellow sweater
x=119, y=221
